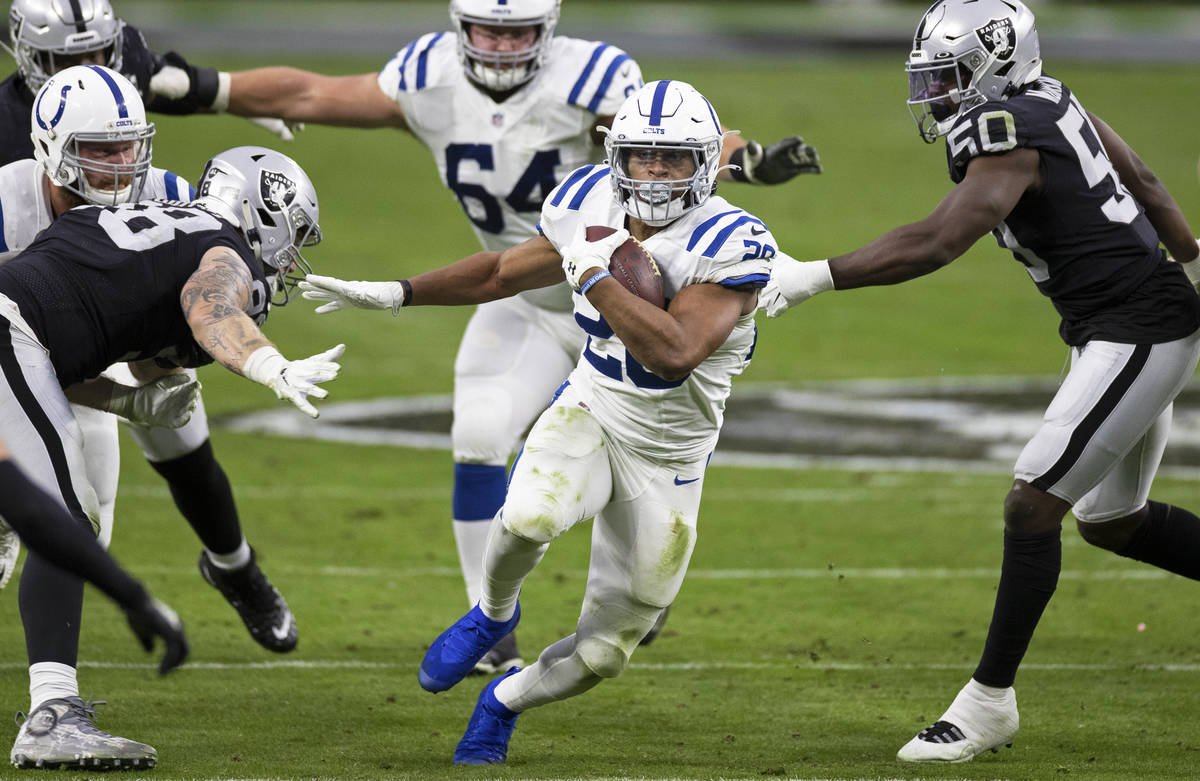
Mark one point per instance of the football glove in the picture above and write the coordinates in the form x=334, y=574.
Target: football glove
x=582, y=255
x=167, y=402
x=340, y=294
x=189, y=88
x=791, y=282
x=1192, y=269
x=294, y=381
x=778, y=162
x=150, y=619
x=281, y=127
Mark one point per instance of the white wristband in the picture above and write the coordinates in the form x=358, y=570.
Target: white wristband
x=221, y=101
x=264, y=365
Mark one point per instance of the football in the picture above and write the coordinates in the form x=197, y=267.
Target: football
x=632, y=266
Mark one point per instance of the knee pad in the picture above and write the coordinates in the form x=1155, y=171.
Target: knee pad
x=604, y=657
x=482, y=431
x=540, y=523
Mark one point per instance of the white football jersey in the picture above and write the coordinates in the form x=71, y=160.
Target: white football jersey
x=25, y=201
x=502, y=160
x=663, y=419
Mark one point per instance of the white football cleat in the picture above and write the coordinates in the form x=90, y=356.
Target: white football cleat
x=980, y=719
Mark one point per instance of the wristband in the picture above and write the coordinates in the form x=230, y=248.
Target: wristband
x=406, y=286
x=220, y=90
x=737, y=159
x=586, y=286
x=264, y=365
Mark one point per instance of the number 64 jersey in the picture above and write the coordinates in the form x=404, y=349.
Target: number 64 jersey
x=663, y=420
x=1083, y=237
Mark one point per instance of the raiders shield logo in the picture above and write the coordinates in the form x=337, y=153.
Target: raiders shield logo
x=277, y=190
x=998, y=37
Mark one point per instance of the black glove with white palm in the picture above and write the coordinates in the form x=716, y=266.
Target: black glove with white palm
x=776, y=163
x=294, y=381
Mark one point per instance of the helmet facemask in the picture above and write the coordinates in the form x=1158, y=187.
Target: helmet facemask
x=117, y=182
x=44, y=43
x=500, y=71
x=656, y=201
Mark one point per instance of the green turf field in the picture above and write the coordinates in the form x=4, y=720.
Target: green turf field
x=828, y=615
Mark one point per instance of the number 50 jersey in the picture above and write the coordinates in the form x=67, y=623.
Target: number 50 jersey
x=1083, y=237
x=102, y=284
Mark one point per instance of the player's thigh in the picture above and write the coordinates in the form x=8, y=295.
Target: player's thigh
x=562, y=475
x=1126, y=488
x=39, y=427
x=102, y=457
x=1111, y=397
x=511, y=360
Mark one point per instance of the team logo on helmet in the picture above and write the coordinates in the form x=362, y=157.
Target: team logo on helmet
x=998, y=37
x=277, y=190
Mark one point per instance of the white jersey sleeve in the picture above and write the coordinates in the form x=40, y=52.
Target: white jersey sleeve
x=162, y=185
x=24, y=206
x=666, y=420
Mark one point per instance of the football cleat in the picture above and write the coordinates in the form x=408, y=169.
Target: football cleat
x=62, y=733
x=456, y=651
x=503, y=655
x=260, y=605
x=977, y=721
x=10, y=549
x=491, y=726
x=656, y=630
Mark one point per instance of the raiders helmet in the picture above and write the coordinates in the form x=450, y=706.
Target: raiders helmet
x=43, y=32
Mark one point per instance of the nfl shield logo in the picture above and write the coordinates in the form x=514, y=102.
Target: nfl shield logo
x=998, y=37
x=497, y=119
x=276, y=189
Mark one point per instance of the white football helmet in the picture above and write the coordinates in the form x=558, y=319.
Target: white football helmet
x=270, y=198
x=42, y=31
x=965, y=53
x=503, y=70
x=664, y=117
x=88, y=119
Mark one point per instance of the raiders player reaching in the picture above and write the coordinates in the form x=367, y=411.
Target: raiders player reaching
x=156, y=283
x=1081, y=211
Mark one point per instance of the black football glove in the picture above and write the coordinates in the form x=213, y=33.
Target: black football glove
x=151, y=619
x=178, y=87
x=138, y=63
x=776, y=163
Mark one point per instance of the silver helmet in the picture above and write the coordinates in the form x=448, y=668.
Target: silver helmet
x=503, y=70
x=965, y=53
x=270, y=198
x=91, y=136
x=48, y=35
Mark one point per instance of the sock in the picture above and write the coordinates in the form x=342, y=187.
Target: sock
x=202, y=493
x=51, y=604
x=557, y=674
x=1028, y=577
x=229, y=561
x=508, y=560
x=1169, y=538
x=479, y=491
x=51, y=681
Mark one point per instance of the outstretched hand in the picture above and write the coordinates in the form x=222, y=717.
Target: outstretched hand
x=167, y=402
x=780, y=161
x=152, y=619
x=335, y=294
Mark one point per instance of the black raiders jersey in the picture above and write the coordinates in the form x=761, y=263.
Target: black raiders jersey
x=102, y=284
x=1083, y=237
x=16, y=110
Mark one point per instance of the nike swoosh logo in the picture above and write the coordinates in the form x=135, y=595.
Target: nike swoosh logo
x=684, y=482
x=281, y=631
x=757, y=231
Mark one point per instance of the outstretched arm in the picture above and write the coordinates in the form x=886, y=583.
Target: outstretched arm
x=302, y=96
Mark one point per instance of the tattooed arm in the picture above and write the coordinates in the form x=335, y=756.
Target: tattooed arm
x=214, y=301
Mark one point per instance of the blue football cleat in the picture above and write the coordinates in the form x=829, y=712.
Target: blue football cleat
x=491, y=726
x=456, y=651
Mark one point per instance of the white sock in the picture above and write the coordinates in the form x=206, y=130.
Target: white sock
x=987, y=692
x=472, y=537
x=229, y=561
x=51, y=681
x=508, y=560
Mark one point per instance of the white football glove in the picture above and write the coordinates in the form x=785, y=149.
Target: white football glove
x=294, y=381
x=582, y=255
x=1192, y=269
x=791, y=282
x=281, y=127
x=340, y=294
x=167, y=402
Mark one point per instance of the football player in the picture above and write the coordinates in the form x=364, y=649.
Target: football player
x=628, y=435
x=49, y=35
x=92, y=144
x=163, y=284
x=1084, y=215
x=506, y=108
